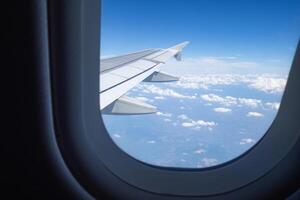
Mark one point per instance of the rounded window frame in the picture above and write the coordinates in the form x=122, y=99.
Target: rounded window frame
x=74, y=58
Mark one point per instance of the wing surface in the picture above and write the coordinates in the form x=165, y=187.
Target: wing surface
x=120, y=74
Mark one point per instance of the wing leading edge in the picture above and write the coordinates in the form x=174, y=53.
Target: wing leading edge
x=120, y=74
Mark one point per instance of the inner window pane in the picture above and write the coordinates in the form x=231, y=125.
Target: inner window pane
x=231, y=78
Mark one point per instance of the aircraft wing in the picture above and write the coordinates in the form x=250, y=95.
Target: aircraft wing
x=120, y=74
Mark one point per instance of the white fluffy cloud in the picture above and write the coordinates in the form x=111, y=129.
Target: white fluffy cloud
x=205, y=81
x=183, y=117
x=159, y=97
x=188, y=124
x=269, y=84
x=230, y=101
x=264, y=82
x=273, y=105
x=208, y=162
x=117, y=135
x=199, y=123
x=222, y=110
x=199, y=151
x=205, y=123
x=164, y=92
x=253, y=103
x=254, y=114
x=164, y=114
x=196, y=124
x=218, y=99
x=247, y=141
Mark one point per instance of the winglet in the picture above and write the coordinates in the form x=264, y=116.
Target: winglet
x=128, y=106
x=165, y=54
x=180, y=46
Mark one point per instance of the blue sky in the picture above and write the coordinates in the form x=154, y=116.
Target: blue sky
x=256, y=31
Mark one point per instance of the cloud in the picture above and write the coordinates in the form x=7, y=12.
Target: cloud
x=208, y=162
x=205, y=123
x=196, y=124
x=167, y=120
x=188, y=124
x=203, y=81
x=151, y=142
x=164, y=92
x=230, y=101
x=164, y=114
x=268, y=83
x=273, y=105
x=199, y=151
x=188, y=82
x=199, y=124
x=247, y=141
x=217, y=99
x=222, y=110
x=117, y=135
x=182, y=116
x=253, y=103
x=159, y=97
x=254, y=114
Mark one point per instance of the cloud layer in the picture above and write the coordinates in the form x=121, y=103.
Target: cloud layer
x=230, y=101
x=200, y=110
x=267, y=83
x=163, y=92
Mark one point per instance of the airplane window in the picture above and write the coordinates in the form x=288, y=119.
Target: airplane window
x=193, y=84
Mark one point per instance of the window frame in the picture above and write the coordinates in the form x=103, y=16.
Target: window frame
x=97, y=162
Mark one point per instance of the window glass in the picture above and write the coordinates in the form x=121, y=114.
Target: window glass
x=231, y=78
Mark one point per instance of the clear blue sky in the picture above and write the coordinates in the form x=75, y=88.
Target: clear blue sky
x=252, y=30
